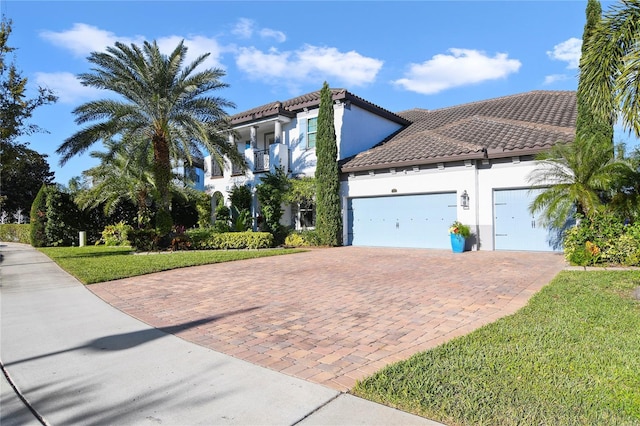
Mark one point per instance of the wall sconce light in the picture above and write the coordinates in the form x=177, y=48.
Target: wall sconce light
x=464, y=200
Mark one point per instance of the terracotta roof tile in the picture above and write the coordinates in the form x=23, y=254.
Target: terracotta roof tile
x=507, y=126
x=311, y=100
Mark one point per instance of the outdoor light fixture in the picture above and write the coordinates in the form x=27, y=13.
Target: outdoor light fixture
x=464, y=200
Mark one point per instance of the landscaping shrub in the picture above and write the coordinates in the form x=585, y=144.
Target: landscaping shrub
x=116, y=235
x=304, y=238
x=603, y=239
x=210, y=239
x=15, y=233
x=179, y=239
x=143, y=239
x=223, y=219
x=38, y=218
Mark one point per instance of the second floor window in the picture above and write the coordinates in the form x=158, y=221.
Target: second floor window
x=312, y=129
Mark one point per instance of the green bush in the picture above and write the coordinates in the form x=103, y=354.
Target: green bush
x=209, y=239
x=223, y=219
x=38, y=218
x=116, y=235
x=304, y=238
x=144, y=239
x=603, y=239
x=15, y=233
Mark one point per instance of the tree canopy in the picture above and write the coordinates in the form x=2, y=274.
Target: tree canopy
x=610, y=66
x=162, y=104
x=15, y=107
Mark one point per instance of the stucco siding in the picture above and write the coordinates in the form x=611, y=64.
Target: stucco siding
x=360, y=129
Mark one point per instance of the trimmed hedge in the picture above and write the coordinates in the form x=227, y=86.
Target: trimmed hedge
x=304, y=238
x=209, y=239
x=15, y=233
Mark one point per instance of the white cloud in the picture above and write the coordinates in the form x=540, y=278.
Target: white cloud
x=278, y=36
x=243, y=28
x=67, y=87
x=568, y=51
x=459, y=68
x=308, y=63
x=554, y=78
x=82, y=39
x=196, y=46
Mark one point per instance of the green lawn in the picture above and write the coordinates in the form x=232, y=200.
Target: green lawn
x=570, y=357
x=94, y=264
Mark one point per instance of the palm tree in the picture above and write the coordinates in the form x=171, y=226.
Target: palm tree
x=123, y=174
x=164, y=107
x=575, y=178
x=610, y=66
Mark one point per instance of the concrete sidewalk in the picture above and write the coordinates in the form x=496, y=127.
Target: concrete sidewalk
x=77, y=360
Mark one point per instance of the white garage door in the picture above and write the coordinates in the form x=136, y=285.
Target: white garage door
x=420, y=221
x=515, y=227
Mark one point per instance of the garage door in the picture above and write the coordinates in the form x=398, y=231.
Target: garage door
x=420, y=221
x=516, y=228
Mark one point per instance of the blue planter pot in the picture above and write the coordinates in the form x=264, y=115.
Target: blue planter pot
x=457, y=243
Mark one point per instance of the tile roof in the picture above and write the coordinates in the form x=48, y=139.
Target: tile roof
x=513, y=125
x=290, y=107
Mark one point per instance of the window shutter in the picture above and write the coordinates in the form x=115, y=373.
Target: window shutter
x=302, y=133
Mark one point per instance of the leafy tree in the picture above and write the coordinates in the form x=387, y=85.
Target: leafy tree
x=328, y=214
x=22, y=173
x=610, y=68
x=15, y=108
x=241, y=201
x=124, y=174
x=163, y=105
x=301, y=190
x=270, y=193
x=55, y=219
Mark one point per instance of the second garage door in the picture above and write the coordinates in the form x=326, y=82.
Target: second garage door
x=515, y=227
x=420, y=221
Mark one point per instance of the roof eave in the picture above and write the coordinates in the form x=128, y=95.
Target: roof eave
x=502, y=153
x=418, y=162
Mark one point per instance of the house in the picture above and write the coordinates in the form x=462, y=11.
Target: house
x=282, y=134
x=407, y=176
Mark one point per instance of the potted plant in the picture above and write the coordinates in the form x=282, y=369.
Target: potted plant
x=459, y=234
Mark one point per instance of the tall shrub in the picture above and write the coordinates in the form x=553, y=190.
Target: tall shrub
x=38, y=218
x=271, y=195
x=328, y=212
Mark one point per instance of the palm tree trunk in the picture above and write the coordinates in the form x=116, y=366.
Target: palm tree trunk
x=162, y=175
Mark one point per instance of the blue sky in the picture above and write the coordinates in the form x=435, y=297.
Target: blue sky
x=399, y=55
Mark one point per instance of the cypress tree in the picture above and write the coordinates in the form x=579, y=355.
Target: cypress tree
x=39, y=218
x=328, y=212
x=587, y=125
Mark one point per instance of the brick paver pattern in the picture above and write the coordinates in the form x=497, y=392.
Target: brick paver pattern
x=336, y=315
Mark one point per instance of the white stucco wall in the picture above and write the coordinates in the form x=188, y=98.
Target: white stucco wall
x=360, y=129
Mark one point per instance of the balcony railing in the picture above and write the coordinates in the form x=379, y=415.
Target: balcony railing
x=261, y=160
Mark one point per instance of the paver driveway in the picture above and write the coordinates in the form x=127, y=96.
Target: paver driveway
x=335, y=315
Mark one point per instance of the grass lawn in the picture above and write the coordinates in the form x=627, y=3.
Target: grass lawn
x=570, y=357
x=94, y=264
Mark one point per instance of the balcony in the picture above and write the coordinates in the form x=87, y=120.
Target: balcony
x=261, y=161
